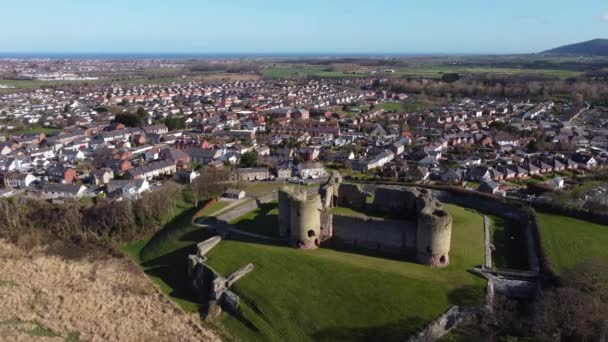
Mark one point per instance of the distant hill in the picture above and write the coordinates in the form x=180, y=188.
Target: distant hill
x=595, y=47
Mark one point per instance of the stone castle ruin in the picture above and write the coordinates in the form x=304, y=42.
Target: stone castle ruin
x=302, y=218
x=210, y=286
x=411, y=220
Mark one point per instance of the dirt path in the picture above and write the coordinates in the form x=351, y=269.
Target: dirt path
x=49, y=298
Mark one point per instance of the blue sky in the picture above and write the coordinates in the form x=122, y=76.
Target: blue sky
x=315, y=26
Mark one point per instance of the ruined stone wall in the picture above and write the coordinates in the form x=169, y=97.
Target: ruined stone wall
x=440, y=327
x=395, y=199
x=351, y=196
x=393, y=236
x=327, y=226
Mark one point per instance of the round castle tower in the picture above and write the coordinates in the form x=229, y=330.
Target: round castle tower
x=434, y=232
x=300, y=218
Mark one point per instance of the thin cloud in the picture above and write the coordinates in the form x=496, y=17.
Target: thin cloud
x=605, y=17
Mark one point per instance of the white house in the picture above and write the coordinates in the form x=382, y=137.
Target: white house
x=127, y=188
x=311, y=170
x=63, y=190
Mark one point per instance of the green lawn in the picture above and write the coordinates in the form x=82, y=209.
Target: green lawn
x=347, y=211
x=393, y=106
x=465, y=333
x=473, y=184
x=214, y=209
x=329, y=295
x=569, y=241
x=324, y=294
x=509, y=239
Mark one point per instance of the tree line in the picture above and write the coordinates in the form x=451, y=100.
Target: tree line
x=101, y=223
x=579, y=90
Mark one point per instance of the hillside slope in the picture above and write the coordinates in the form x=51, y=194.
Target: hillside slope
x=595, y=47
x=104, y=298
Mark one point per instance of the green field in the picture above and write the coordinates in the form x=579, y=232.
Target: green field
x=419, y=70
x=305, y=71
x=509, y=239
x=569, y=241
x=324, y=294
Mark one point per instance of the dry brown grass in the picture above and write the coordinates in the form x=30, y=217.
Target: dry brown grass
x=97, y=297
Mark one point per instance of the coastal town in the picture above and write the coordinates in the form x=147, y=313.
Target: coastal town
x=264, y=170
x=122, y=140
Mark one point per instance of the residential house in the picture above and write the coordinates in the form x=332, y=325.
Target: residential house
x=152, y=170
x=505, y=139
x=63, y=190
x=61, y=174
x=102, y=176
x=490, y=187
x=200, y=156
x=234, y=194
x=311, y=170
x=187, y=177
x=479, y=173
x=18, y=179
x=555, y=183
x=418, y=174
x=451, y=176
x=283, y=171
x=586, y=161
x=252, y=174
x=127, y=188
x=119, y=166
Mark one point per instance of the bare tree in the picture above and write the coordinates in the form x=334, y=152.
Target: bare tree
x=578, y=310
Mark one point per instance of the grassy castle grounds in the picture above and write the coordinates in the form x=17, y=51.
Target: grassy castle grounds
x=322, y=294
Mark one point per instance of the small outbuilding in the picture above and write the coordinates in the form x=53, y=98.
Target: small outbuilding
x=234, y=194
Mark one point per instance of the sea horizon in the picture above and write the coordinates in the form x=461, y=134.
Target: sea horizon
x=219, y=55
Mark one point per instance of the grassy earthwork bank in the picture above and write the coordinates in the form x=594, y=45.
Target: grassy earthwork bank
x=568, y=241
x=162, y=256
x=324, y=294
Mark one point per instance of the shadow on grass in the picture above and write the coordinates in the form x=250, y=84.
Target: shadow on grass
x=396, y=331
x=407, y=255
x=469, y=295
x=510, y=241
x=172, y=269
x=263, y=222
x=175, y=228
